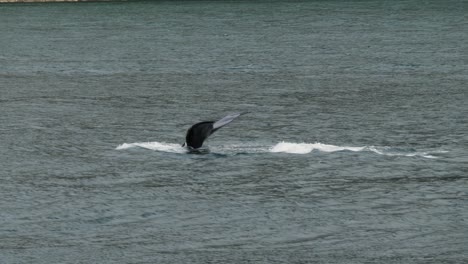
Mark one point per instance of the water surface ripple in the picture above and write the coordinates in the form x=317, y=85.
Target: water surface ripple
x=354, y=150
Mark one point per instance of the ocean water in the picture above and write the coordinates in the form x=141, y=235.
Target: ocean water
x=354, y=149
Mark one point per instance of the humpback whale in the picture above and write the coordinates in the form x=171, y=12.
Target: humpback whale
x=197, y=134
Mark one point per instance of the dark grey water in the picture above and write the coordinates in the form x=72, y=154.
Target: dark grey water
x=354, y=151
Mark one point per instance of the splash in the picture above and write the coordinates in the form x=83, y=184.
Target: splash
x=282, y=147
x=177, y=148
x=305, y=148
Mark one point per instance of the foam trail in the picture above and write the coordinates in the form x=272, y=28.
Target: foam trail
x=164, y=147
x=304, y=148
x=390, y=152
x=283, y=147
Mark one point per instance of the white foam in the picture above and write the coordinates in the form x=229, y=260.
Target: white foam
x=246, y=148
x=159, y=146
x=304, y=148
x=387, y=151
x=282, y=147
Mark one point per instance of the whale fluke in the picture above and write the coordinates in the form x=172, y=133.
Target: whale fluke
x=197, y=134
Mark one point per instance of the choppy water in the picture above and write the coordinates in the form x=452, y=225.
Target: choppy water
x=354, y=150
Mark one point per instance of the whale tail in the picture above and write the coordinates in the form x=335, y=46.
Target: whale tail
x=197, y=134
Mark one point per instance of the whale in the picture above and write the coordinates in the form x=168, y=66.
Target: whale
x=199, y=132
